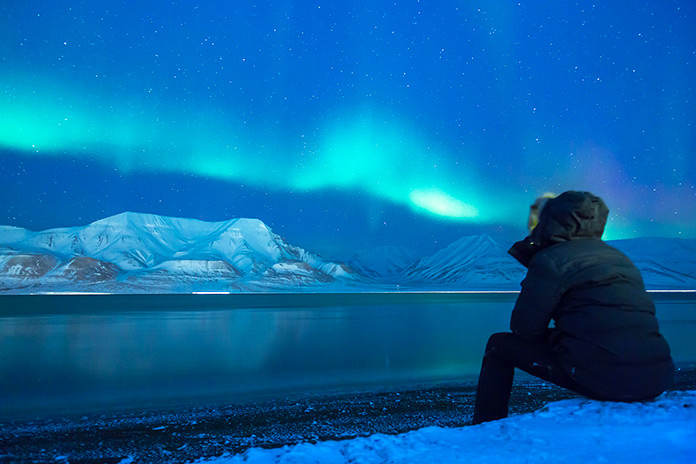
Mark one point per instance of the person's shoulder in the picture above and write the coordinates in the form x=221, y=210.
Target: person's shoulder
x=583, y=246
x=573, y=253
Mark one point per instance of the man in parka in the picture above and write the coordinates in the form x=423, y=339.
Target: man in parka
x=605, y=343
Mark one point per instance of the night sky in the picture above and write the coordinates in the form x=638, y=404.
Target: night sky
x=349, y=124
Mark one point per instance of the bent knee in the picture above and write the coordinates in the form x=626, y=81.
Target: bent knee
x=500, y=339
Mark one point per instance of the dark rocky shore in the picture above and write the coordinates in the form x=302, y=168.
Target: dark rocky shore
x=177, y=436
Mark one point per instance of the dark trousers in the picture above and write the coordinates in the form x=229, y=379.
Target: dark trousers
x=505, y=352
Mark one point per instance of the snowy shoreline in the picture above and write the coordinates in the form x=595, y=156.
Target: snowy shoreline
x=380, y=425
x=575, y=430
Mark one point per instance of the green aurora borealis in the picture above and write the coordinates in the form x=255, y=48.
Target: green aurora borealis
x=457, y=115
x=374, y=153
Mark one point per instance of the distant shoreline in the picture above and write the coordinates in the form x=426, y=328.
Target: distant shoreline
x=23, y=304
x=61, y=303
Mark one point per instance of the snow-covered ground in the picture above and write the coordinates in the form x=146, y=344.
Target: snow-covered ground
x=570, y=431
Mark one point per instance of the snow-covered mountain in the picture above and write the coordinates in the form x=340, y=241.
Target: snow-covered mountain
x=482, y=263
x=665, y=263
x=133, y=252
x=144, y=252
x=473, y=262
x=384, y=262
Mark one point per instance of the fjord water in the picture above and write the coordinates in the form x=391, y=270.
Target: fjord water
x=86, y=354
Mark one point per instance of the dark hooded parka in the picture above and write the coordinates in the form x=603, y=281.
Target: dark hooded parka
x=605, y=332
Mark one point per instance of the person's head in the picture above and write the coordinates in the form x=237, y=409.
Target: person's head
x=536, y=208
x=555, y=219
x=569, y=216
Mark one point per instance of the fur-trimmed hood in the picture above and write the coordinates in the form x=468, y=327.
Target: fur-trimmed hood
x=570, y=216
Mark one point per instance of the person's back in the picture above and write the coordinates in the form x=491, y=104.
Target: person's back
x=606, y=332
x=605, y=343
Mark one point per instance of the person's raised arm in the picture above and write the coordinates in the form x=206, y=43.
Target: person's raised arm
x=541, y=292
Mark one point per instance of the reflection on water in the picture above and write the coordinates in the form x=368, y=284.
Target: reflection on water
x=134, y=358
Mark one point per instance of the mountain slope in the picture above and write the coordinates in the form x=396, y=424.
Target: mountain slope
x=383, y=262
x=133, y=252
x=141, y=252
x=473, y=262
x=665, y=263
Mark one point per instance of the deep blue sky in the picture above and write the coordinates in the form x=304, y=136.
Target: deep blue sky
x=345, y=125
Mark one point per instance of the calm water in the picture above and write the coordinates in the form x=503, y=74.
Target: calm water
x=84, y=354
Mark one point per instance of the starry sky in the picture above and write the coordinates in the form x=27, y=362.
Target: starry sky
x=352, y=124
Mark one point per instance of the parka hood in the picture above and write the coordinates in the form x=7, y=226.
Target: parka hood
x=570, y=216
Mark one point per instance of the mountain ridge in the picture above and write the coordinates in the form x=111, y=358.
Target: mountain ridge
x=139, y=252
x=158, y=249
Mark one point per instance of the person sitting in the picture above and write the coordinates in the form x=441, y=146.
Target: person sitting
x=605, y=343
